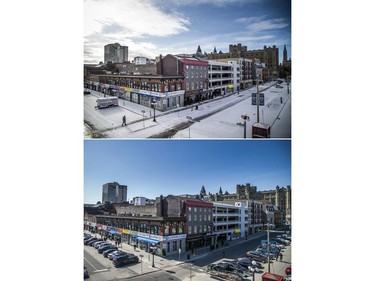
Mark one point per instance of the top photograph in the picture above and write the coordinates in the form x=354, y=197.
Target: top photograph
x=209, y=69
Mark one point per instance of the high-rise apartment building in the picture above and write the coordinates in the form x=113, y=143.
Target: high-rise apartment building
x=115, y=53
x=114, y=192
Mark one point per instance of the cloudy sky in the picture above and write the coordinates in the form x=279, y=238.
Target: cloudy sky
x=153, y=27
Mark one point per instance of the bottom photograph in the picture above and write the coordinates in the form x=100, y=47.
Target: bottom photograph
x=187, y=210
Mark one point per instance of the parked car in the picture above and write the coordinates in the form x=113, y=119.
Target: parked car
x=222, y=270
x=85, y=273
x=87, y=241
x=240, y=267
x=116, y=253
x=122, y=260
x=246, y=263
x=90, y=243
x=98, y=244
x=106, y=247
x=108, y=251
x=257, y=256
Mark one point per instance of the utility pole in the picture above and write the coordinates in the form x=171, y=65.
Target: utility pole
x=257, y=99
x=268, y=246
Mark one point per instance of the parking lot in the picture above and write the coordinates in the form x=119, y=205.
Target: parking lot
x=102, y=268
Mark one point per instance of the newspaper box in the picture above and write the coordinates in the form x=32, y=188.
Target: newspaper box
x=272, y=277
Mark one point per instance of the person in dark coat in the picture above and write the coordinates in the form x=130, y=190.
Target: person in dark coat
x=124, y=120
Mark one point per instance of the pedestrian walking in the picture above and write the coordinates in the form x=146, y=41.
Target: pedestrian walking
x=277, y=256
x=281, y=257
x=124, y=120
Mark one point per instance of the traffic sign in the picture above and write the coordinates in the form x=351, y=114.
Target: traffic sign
x=254, y=99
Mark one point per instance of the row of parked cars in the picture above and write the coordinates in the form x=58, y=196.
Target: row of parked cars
x=243, y=268
x=238, y=269
x=110, y=251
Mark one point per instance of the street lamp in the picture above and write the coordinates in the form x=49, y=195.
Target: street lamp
x=143, y=116
x=245, y=118
x=153, y=257
x=154, y=106
x=252, y=269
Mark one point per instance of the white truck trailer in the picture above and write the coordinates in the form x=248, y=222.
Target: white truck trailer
x=106, y=102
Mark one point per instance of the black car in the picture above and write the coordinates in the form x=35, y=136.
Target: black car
x=90, y=243
x=249, y=262
x=101, y=249
x=121, y=260
x=223, y=271
x=85, y=273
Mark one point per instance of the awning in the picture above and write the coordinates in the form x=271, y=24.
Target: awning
x=112, y=231
x=147, y=240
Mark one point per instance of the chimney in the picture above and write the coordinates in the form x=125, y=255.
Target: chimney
x=161, y=65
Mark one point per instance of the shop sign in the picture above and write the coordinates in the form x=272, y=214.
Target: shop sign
x=119, y=230
x=126, y=231
x=174, y=237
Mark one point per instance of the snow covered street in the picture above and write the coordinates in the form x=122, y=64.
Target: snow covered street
x=218, y=118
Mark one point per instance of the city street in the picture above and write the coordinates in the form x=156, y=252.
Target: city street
x=181, y=267
x=218, y=118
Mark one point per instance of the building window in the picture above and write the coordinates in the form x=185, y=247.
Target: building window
x=204, y=228
x=187, y=89
x=195, y=229
x=189, y=231
x=195, y=217
x=192, y=87
x=189, y=217
x=200, y=217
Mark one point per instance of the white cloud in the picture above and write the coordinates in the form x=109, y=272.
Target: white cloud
x=219, y=3
x=260, y=23
x=109, y=21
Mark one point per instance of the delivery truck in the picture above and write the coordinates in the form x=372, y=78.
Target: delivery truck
x=106, y=102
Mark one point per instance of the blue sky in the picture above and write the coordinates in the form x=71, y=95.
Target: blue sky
x=153, y=167
x=153, y=27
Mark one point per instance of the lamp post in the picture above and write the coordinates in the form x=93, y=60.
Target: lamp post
x=245, y=118
x=153, y=258
x=154, y=106
x=143, y=116
x=268, y=246
x=252, y=271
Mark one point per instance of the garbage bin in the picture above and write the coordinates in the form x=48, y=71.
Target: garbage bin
x=188, y=257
